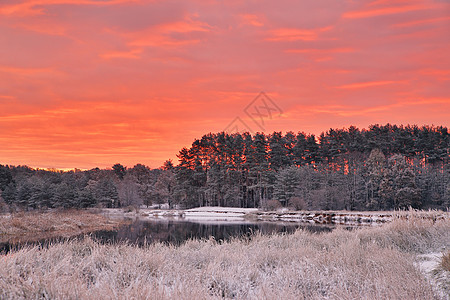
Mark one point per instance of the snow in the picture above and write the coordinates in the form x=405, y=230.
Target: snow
x=236, y=214
x=217, y=213
x=429, y=262
x=429, y=266
x=219, y=209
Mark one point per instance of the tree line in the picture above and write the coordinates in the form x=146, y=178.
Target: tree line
x=23, y=188
x=382, y=167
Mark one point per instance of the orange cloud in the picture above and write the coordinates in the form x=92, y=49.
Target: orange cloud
x=36, y=7
x=421, y=22
x=360, y=85
x=166, y=34
x=441, y=75
x=252, y=20
x=133, y=54
x=383, y=11
x=6, y=97
x=295, y=34
x=316, y=50
x=28, y=71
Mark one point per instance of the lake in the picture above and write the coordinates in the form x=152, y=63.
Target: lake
x=176, y=232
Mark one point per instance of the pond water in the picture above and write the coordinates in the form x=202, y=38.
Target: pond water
x=175, y=232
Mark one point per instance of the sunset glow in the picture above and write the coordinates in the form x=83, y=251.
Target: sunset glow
x=92, y=83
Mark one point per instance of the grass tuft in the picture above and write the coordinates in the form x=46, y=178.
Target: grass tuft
x=445, y=261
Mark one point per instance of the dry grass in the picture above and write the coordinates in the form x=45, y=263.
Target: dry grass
x=445, y=261
x=370, y=263
x=33, y=226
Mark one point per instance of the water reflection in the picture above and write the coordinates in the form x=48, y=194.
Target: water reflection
x=176, y=232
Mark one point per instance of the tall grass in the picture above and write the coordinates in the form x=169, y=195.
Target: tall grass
x=33, y=226
x=369, y=263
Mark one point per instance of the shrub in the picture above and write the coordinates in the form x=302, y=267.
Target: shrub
x=272, y=205
x=131, y=208
x=297, y=203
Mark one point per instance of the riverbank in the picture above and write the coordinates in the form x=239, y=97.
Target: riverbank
x=233, y=214
x=366, y=263
x=34, y=226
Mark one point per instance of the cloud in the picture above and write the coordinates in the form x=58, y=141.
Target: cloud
x=360, y=85
x=179, y=33
x=253, y=20
x=133, y=54
x=37, y=7
x=28, y=71
x=369, y=13
x=295, y=34
x=421, y=22
x=318, y=50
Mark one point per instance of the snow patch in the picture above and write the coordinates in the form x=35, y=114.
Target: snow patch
x=429, y=265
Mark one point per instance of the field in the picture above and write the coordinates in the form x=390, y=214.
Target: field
x=384, y=262
x=34, y=226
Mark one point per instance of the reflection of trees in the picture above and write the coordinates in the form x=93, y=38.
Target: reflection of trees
x=176, y=232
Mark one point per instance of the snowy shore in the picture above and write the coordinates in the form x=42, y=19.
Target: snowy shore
x=234, y=214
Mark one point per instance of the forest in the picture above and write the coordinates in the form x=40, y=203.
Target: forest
x=383, y=167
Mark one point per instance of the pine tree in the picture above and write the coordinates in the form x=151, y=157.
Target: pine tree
x=278, y=153
x=299, y=149
x=375, y=173
x=398, y=187
x=286, y=185
x=5, y=177
x=119, y=170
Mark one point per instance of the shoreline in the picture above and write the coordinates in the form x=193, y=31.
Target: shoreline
x=29, y=227
x=233, y=214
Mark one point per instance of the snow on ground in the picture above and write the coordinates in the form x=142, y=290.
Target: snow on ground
x=217, y=213
x=236, y=214
x=222, y=209
x=428, y=262
x=439, y=278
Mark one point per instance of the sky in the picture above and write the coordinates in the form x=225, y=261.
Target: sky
x=91, y=83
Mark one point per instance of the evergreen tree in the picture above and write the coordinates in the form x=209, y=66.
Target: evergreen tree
x=278, y=153
x=375, y=173
x=286, y=185
x=398, y=187
x=119, y=170
x=9, y=194
x=5, y=177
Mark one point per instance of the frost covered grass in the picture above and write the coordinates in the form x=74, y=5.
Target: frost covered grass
x=367, y=263
x=34, y=226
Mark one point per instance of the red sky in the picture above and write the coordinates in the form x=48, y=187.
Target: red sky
x=87, y=83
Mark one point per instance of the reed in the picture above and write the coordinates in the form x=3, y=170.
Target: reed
x=34, y=226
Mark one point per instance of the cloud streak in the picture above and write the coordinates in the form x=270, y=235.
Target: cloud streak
x=37, y=7
x=361, y=85
x=369, y=13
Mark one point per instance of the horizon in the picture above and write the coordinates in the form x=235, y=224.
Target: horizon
x=91, y=84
